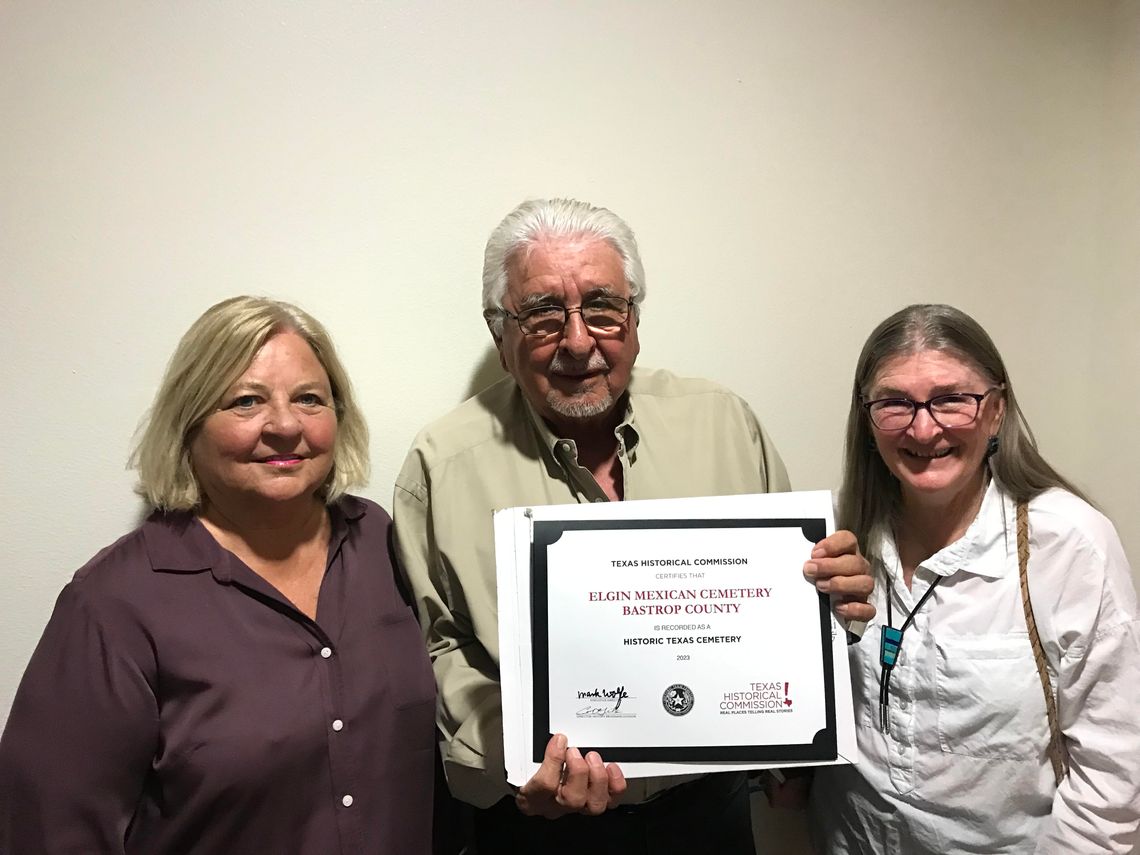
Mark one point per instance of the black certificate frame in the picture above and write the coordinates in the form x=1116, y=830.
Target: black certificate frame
x=822, y=748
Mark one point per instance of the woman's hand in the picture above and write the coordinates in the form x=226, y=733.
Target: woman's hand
x=839, y=569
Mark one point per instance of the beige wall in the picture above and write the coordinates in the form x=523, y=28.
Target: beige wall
x=1114, y=458
x=795, y=171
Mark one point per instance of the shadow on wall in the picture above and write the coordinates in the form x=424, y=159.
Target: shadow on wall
x=487, y=370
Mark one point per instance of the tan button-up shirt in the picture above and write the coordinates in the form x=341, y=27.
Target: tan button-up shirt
x=680, y=437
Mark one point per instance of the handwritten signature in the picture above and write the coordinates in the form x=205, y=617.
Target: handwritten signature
x=602, y=712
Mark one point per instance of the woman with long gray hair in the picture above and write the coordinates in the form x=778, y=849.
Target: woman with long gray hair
x=991, y=689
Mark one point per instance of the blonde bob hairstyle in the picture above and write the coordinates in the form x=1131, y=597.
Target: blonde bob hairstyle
x=211, y=356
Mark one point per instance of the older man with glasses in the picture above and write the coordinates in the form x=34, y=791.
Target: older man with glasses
x=574, y=422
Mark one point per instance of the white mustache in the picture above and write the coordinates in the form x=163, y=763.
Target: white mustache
x=562, y=364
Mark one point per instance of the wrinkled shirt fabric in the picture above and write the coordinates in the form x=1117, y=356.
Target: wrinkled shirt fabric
x=178, y=703
x=964, y=768
x=679, y=437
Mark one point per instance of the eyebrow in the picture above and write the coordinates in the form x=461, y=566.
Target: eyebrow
x=602, y=291
x=533, y=300
x=935, y=391
x=261, y=388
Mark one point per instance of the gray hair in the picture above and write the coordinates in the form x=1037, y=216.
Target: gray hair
x=870, y=499
x=211, y=356
x=537, y=219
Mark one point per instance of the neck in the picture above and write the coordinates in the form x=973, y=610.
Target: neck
x=597, y=451
x=929, y=523
x=273, y=532
x=595, y=438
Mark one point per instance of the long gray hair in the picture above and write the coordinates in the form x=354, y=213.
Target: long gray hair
x=870, y=499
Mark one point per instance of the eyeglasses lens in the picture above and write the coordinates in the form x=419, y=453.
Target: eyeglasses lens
x=948, y=410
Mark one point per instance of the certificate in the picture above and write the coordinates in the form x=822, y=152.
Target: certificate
x=671, y=636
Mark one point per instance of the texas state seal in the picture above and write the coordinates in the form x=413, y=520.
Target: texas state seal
x=678, y=699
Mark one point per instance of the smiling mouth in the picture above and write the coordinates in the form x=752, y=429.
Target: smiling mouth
x=933, y=455
x=282, y=460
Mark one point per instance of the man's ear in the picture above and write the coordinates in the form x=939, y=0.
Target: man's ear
x=490, y=317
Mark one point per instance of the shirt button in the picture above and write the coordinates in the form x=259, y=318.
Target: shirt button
x=326, y=652
x=904, y=705
x=338, y=725
x=346, y=801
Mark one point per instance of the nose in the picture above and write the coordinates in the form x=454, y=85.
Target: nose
x=281, y=421
x=924, y=428
x=576, y=338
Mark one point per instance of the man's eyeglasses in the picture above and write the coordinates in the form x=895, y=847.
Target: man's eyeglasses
x=599, y=314
x=950, y=411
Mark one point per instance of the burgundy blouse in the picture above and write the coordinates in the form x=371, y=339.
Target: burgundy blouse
x=177, y=703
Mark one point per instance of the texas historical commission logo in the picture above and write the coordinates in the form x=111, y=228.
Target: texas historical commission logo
x=678, y=699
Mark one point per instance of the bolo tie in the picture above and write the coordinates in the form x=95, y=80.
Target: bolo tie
x=889, y=645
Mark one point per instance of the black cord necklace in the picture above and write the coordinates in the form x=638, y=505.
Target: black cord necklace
x=889, y=645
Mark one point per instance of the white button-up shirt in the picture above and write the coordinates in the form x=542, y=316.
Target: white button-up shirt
x=964, y=768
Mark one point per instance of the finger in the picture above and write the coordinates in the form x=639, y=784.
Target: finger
x=851, y=587
x=549, y=774
x=572, y=793
x=597, y=788
x=841, y=565
x=855, y=611
x=617, y=784
x=824, y=572
x=841, y=542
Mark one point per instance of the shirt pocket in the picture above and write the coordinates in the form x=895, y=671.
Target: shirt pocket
x=989, y=697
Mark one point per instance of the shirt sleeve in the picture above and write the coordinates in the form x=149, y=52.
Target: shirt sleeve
x=80, y=737
x=1097, y=805
x=773, y=471
x=469, y=715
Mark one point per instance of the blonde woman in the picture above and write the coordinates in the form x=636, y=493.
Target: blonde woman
x=239, y=674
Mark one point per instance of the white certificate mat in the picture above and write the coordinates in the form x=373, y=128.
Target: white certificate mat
x=671, y=636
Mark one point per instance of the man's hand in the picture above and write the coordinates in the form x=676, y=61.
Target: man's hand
x=837, y=568
x=567, y=782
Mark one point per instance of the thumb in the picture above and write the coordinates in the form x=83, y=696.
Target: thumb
x=549, y=774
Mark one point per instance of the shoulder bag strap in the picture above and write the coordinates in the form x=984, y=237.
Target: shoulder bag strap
x=1057, y=754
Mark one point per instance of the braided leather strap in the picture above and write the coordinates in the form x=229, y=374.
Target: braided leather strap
x=1057, y=754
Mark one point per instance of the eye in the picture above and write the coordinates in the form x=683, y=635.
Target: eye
x=892, y=405
x=310, y=399
x=542, y=312
x=244, y=402
x=958, y=400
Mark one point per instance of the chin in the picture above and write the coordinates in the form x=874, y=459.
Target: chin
x=287, y=490
x=583, y=408
x=933, y=485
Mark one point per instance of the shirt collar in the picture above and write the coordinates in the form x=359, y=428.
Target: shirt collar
x=176, y=542
x=625, y=432
x=983, y=550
